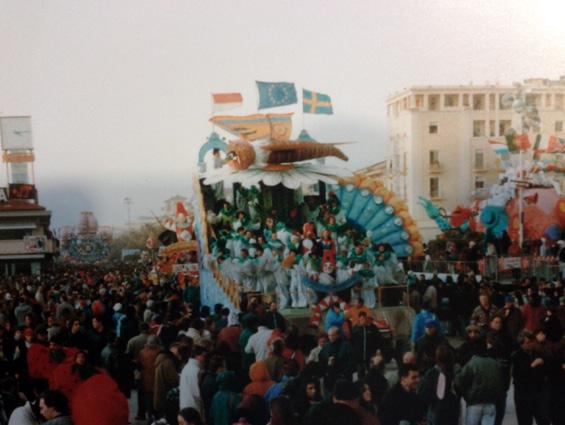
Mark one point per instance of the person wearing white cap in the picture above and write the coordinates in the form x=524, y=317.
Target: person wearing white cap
x=149, y=314
x=117, y=317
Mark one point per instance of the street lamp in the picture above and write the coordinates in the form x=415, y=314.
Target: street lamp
x=128, y=202
x=529, y=123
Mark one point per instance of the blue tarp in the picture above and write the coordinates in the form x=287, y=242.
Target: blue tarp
x=320, y=287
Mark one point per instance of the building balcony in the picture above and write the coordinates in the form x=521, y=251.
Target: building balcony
x=29, y=246
x=435, y=167
x=479, y=168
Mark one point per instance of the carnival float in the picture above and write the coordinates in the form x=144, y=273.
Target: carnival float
x=276, y=219
x=178, y=255
x=526, y=208
x=85, y=243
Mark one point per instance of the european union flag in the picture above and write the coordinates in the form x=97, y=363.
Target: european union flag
x=316, y=103
x=275, y=94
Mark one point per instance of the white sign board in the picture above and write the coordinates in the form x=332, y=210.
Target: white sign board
x=19, y=173
x=188, y=267
x=35, y=244
x=15, y=133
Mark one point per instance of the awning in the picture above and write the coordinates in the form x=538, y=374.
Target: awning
x=17, y=226
x=23, y=257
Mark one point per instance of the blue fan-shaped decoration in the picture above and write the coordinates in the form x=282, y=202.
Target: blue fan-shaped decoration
x=366, y=204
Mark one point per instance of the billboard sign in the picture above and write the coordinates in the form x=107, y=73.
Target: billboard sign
x=22, y=191
x=35, y=244
x=19, y=156
x=19, y=173
x=15, y=133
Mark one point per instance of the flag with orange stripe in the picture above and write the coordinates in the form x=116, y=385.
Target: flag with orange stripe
x=226, y=101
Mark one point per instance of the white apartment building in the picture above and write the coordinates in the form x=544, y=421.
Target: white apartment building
x=439, y=139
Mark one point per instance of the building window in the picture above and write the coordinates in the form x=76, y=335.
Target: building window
x=465, y=100
x=479, y=159
x=558, y=126
x=478, y=128
x=478, y=102
x=433, y=128
x=548, y=100
x=492, y=128
x=479, y=183
x=559, y=102
x=492, y=102
x=14, y=233
x=533, y=99
x=406, y=103
x=419, y=101
x=433, y=102
x=503, y=126
x=500, y=105
x=434, y=187
x=434, y=157
x=451, y=100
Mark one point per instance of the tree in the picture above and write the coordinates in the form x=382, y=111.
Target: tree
x=135, y=238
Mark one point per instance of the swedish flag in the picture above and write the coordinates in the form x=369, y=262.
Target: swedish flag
x=276, y=94
x=316, y=103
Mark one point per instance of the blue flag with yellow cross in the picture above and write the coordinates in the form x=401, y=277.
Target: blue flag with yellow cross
x=316, y=103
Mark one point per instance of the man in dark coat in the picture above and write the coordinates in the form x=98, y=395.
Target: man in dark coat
x=335, y=357
x=472, y=344
x=401, y=402
x=512, y=318
x=426, y=346
x=531, y=382
x=365, y=340
x=273, y=319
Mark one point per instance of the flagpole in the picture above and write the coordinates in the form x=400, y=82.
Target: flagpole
x=520, y=204
x=303, y=114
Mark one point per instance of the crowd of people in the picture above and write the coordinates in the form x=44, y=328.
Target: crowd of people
x=189, y=364
x=269, y=254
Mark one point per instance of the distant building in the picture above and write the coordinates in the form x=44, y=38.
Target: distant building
x=26, y=244
x=439, y=139
x=377, y=171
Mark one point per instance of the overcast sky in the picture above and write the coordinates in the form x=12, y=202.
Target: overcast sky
x=119, y=91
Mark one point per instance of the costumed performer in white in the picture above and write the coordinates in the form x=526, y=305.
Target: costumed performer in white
x=264, y=272
x=281, y=279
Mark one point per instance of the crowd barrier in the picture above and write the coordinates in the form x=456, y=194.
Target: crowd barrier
x=502, y=269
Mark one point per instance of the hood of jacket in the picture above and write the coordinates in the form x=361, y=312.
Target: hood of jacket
x=258, y=372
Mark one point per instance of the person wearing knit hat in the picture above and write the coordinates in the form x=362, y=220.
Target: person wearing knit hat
x=511, y=317
x=427, y=344
x=473, y=328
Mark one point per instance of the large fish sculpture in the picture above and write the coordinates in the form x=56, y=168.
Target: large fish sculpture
x=277, y=156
